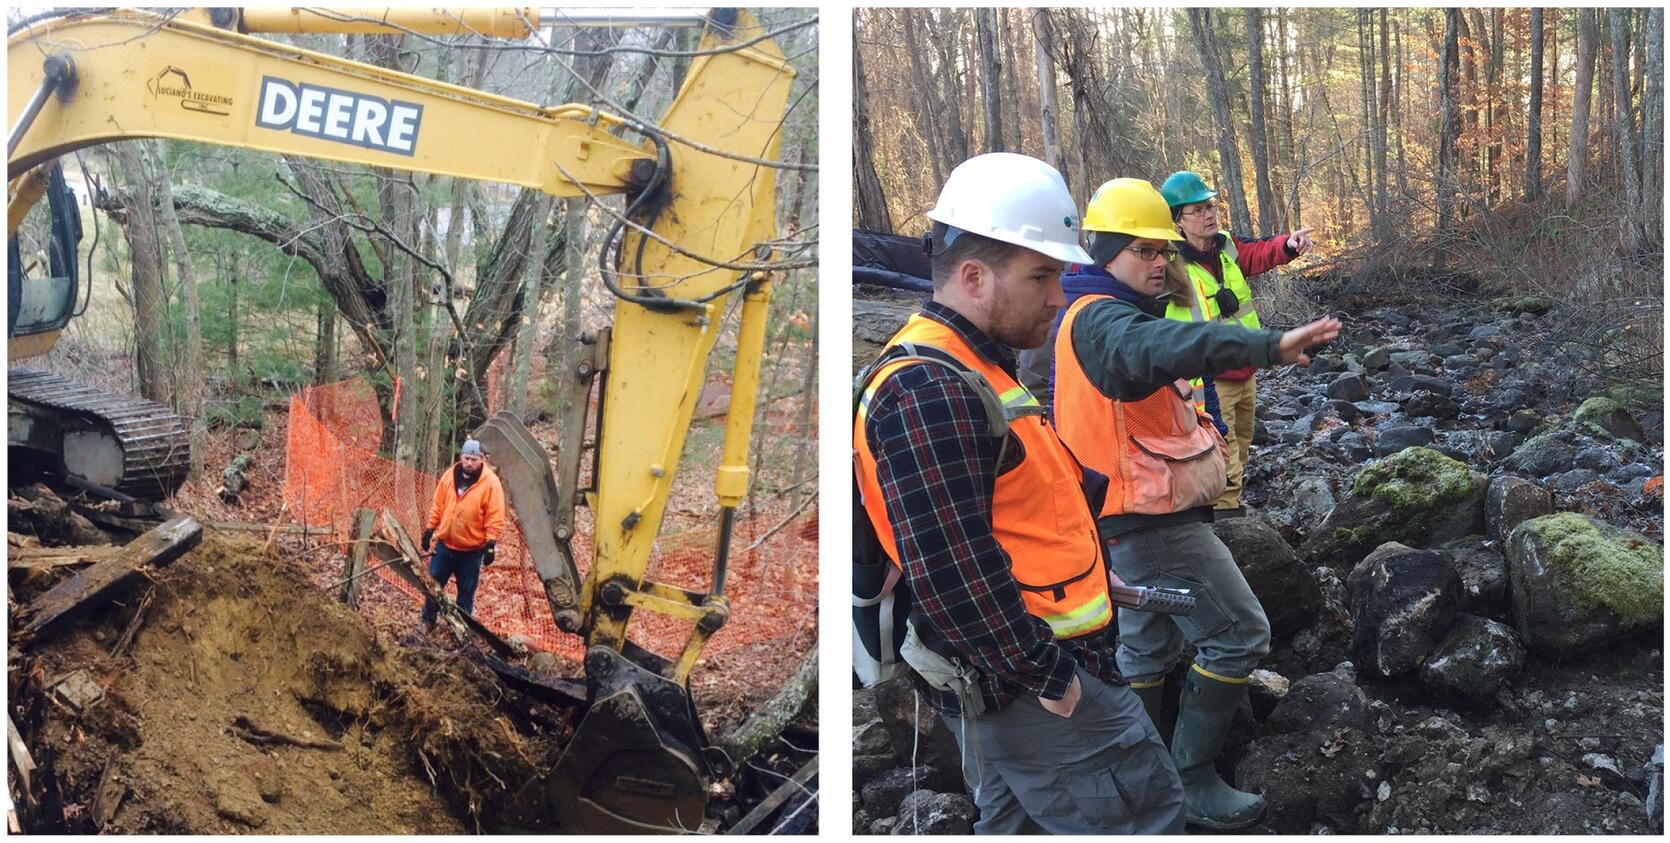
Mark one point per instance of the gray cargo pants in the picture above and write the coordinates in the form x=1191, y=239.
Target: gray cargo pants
x=1102, y=771
x=1227, y=627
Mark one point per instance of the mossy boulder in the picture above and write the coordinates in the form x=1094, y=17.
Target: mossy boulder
x=1416, y=496
x=1537, y=305
x=1605, y=417
x=1576, y=582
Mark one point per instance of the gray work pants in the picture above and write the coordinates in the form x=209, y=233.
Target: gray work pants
x=1102, y=771
x=1227, y=627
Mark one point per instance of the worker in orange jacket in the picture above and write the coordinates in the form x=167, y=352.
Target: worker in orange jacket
x=464, y=523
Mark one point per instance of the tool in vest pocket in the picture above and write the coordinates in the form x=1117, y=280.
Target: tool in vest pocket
x=1164, y=601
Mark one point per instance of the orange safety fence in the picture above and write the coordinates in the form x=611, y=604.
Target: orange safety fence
x=332, y=468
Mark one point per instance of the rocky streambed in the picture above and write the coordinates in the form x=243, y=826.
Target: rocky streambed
x=1457, y=534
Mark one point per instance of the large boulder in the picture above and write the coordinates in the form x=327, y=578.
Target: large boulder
x=1511, y=500
x=1402, y=602
x=927, y=812
x=1602, y=416
x=1478, y=658
x=1316, y=763
x=1288, y=592
x=1576, y=582
x=927, y=737
x=1417, y=496
x=882, y=795
x=1348, y=388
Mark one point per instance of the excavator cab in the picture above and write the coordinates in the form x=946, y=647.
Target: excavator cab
x=42, y=281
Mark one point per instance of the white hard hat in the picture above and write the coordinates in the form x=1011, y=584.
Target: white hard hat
x=1013, y=199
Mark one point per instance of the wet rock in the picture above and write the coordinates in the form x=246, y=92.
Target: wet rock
x=882, y=795
x=1576, y=582
x=1325, y=364
x=861, y=819
x=1397, y=437
x=1354, y=447
x=1511, y=500
x=1273, y=571
x=929, y=738
x=1475, y=661
x=1577, y=478
x=1540, y=456
x=1461, y=361
x=1416, y=496
x=1425, y=403
x=871, y=738
x=926, y=812
x=1342, y=410
x=1605, y=417
x=1484, y=332
x=1377, y=359
x=1402, y=602
x=1484, y=576
x=884, y=826
x=1348, y=388
x=865, y=768
x=1321, y=701
x=1524, y=421
x=1596, y=459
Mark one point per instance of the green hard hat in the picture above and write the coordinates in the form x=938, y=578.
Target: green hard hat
x=1185, y=188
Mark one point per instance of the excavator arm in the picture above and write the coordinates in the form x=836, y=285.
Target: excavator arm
x=696, y=232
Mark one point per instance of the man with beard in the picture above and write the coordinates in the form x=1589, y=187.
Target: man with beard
x=464, y=523
x=1124, y=405
x=983, y=512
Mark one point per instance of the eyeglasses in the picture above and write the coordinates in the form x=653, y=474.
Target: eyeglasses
x=1198, y=210
x=1147, y=254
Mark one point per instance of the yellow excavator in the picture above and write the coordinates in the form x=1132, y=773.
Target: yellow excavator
x=697, y=232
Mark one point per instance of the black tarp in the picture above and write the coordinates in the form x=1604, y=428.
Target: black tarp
x=890, y=260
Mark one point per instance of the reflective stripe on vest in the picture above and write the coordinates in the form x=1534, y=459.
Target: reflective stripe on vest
x=1039, y=515
x=1160, y=454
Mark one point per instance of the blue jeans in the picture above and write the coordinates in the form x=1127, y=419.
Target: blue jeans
x=446, y=563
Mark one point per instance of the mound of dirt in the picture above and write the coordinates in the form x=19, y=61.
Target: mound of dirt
x=248, y=702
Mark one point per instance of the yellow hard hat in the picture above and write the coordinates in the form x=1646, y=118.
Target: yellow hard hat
x=1130, y=206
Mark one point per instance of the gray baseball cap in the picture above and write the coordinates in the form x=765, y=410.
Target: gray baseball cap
x=471, y=448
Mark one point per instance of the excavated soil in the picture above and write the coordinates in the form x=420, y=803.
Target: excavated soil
x=237, y=647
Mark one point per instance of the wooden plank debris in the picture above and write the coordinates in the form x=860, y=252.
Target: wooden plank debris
x=108, y=579
x=768, y=806
x=262, y=527
x=364, y=521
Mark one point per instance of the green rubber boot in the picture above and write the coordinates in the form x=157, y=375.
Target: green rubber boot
x=1153, y=701
x=1202, y=721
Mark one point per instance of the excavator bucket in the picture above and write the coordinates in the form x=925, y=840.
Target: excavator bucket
x=638, y=763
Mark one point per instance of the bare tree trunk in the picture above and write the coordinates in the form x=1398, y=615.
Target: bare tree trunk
x=927, y=87
x=1400, y=98
x=869, y=203
x=1577, y=154
x=948, y=33
x=1384, y=110
x=1652, y=130
x=168, y=222
x=232, y=323
x=1625, y=131
x=1217, y=89
x=1533, y=132
x=1260, y=136
x=1450, y=125
x=1042, y=38
x=1551, y=91
x=150, y=311
x=985, y=27
x=324, y=343
x=1365, y=88
x=1011, y=75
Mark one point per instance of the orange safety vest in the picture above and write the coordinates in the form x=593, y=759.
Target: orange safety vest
x=1161, y=454
x=1039, y=514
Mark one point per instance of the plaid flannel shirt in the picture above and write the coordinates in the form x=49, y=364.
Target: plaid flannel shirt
x=937, y=466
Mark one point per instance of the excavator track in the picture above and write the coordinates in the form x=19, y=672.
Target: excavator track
x=134, y=446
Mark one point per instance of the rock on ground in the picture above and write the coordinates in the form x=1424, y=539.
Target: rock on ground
x=1577, y=582
x=1289, y=594
x=1477, y=659
x=1416, y=496
x=1402, y=603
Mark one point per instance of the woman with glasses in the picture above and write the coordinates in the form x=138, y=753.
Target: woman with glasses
x=1218, y=265
x=1124, y=405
